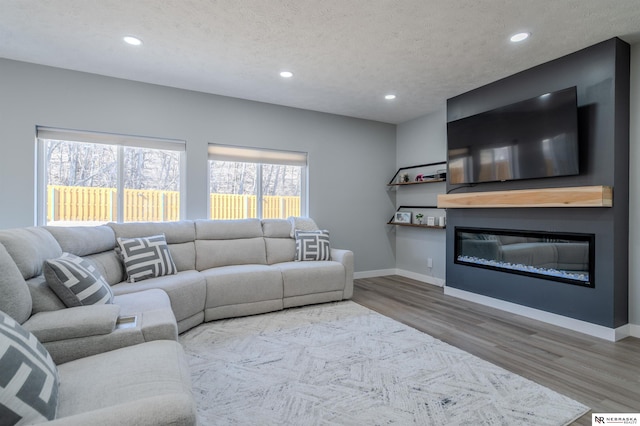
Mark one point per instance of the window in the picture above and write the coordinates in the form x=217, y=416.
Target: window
x=256, y=183
x=92, y=178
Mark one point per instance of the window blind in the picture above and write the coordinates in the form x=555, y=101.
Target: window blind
x=109, y=139
x=256, y=155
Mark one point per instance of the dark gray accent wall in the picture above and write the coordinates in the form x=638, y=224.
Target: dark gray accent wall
x=601, y=75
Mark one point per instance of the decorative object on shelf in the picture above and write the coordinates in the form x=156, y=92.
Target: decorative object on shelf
x=442, y=221
x=404, y=214
x=402, y=177
x=431, y=221
x=402, y=217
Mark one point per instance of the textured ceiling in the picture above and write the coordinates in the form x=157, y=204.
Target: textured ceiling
x=345, y=54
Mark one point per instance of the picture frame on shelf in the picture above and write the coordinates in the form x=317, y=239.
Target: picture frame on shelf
x=402, y=217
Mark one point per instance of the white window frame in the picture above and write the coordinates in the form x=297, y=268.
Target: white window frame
x=44, y=133
x=260, y=156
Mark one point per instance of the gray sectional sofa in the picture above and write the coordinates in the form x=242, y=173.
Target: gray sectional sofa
x=225, y=268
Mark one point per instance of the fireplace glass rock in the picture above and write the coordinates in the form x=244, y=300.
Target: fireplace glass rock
x=554, y=256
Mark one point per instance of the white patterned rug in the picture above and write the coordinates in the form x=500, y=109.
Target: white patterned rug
x=343, y=364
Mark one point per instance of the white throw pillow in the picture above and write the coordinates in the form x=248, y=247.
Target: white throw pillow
x=302, y=224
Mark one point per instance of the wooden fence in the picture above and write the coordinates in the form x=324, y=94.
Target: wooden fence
x=86, y=204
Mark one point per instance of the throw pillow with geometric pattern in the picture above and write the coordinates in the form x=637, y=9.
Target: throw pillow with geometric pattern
x=28, y=376
x=76, y=281
x=312, y=245
x=146, y=257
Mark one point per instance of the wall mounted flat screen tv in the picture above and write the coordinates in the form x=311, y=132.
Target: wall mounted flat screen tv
x=534, y=138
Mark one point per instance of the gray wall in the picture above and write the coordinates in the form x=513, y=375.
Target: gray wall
x=350, y=160
x=421, y=141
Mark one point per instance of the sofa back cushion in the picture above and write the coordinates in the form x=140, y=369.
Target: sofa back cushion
x=109, y=264
x=15, y=298
x=29, y=248
x=229, y=242
x=83, y=240
x=180, y=238
x=94, y=243
x=279, y=245
x=42, y=296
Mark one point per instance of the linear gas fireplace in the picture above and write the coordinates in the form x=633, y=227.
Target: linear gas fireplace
x=564, y=257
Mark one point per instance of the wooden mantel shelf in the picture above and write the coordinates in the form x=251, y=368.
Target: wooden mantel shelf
x=581, y=196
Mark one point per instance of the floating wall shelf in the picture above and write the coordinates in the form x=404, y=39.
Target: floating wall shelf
x=581, y=196
x=418, y=182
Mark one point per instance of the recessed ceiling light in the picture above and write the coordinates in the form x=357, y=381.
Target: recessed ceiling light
x=519, y=37
x=134, y=41
x=286, y=74
x=390, y=97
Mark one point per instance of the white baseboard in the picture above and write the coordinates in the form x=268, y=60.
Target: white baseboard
x=373, y=274
x=403, y=273
x=611, y=334
x=421, y=277
x=634, y=330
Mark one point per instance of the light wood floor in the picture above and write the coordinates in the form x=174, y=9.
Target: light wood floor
x=600, y=374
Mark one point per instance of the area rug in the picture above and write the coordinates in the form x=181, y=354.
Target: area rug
x=343, y=364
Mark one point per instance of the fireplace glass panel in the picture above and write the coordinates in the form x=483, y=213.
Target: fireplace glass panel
x=560, y=257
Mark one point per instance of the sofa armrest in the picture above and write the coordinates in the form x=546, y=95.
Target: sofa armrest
x=72, y=323
x=346, y=258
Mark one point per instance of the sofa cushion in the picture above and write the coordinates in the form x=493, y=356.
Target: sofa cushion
x=29, y=248
x=238, y=284
x=216, y=253
x=109, y=264
x=83, y=240
x=76, y=281
x=280, y=246
x=280, y=250
x=134, y=385
x=302, y=278
x=228, y=229
x=175, y=232
x=146, y=257
x=184, y=255
x=29, y=381
x=276, y=228
x=312, y=245
x=42, y=296
x=15, y=298
x=186, y=290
